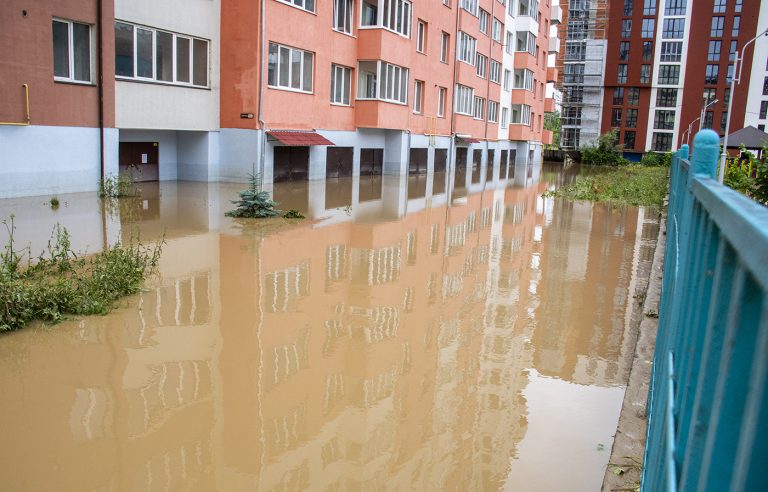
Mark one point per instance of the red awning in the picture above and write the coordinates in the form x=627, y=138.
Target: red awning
x=294, y=138
x=469, y=140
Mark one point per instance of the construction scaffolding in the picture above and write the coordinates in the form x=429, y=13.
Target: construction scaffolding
x=581, y=65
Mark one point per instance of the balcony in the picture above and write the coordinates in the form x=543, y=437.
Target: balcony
x=520, y=132
x=381, y=44
x=552, y=75
x=381, y=114
x=557, y=15
x=547, y=137
x=554, y=45
x=549, y=105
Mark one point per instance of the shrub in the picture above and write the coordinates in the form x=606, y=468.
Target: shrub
x=605, y=153
x=54, y=202
x=656, y=159
x=254, y=203
x=112, y=186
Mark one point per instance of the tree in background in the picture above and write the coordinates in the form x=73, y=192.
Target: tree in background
x=552, y=123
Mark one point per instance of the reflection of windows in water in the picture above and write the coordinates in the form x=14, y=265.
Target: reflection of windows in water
x=509, y=247
x=334, y=330
x=334, y=391
x=432, y=288
x=405, y=368
x=283, y=361
x=378, y=388
x=374, y=324
x=374, y=267
x=434, y=239
x=485, y=217
x=451, y=287
x=469, y=265
x=172, y=385
x=410, y=248
x=335, y=263
x=515, y=213
x=285, y=431
x=456, y=236
x=179, y=465
x=91, y=416
x=285, y=287
x=508, y=280
x=408, y=300
x=449, y=333
x=472, y=222
x=482, y=254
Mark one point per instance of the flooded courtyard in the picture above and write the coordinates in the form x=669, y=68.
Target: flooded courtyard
x=405, y=336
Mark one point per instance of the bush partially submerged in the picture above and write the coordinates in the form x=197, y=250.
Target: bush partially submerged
x=605, y=153
x=656, y=159
x=254, y=203
x=112, y=186
x=628, y=185
x=59, y=283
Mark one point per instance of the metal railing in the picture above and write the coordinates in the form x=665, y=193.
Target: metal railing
x=708, y=400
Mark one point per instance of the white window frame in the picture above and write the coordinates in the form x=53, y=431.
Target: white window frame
x=484, y=19
x=421, y=36
x=509, y=42
x=478, y=108
x=481, y=64
x=445, y=46
x=466, y=48
x=525, y=114
x=527, y=79
x=504, y=117
x=300, y=4
x=496, y=30
x=71, y=52
x=174, y=56
x=290, y=72
x=508, y=78
x=442, y=94
x=464, y=100
x=470, y=6
x=386, y=73
x=348, y=7
x=346, y=84
x=418, y=96
x=495, y=71
x=390, y=25
x=493, y=111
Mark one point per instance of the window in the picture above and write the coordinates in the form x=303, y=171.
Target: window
x=647, y=51
x=571, y=116
x=723, y=120
x=673, y=29
x=732, y=51
x=308, y=5
x=145, y=53
x=669, y=74
x=645, y=74
x=577, y=30
x=470, y=6
x=504, y=116
x=763, y=110
x=666, y=98
x=496, y=30
x=624, y=51
x=629, y=140
x=649, y=7
x=633, y=96
x=738, y=5
x=628, y=8
x=290, y=68
x=341, y=84
x=726, y=96
x=447, y=3
x=523, y=79
x=618, y=96
x=483, y=18
x=711, y=74
x=418, y=96
x=729, y=74
x=622, y=75
x=716, y=31
x=661, y=142
x=675, y=7
x=441, y=92
x=395, y=15
x=464, y=99
x=526, y=42
x=71, y=51
x=736, y=24
x=508, y=44
x=631, y=121
x=493, y=111
x=521, y=114
x=421, y=36
x=382, y=80
x=466, y=51
x=616, y=118
x=507, y=80
x=445, y=40
x=529, y=8
x=709, y=118
x=573, y=74
x=495, y=71
x=665, y=120
x=709, y=96
x=649, y=25
x=713, y=54
x=720, y=6
x=626, y=28
x=342, y=15
x=479, y=110
x=671, y=51
x=481, y=63
x=765, y=86
x=575, y=51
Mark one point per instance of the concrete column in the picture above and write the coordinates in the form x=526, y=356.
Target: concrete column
x=317, y=159
x=395, y=153
x=316, y=199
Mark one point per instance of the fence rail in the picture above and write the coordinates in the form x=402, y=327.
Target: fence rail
x=708, y=400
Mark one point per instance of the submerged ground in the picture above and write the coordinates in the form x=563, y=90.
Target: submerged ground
x=480, y=341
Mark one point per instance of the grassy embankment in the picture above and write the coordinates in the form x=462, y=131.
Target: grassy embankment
x=625, y=185
x=59, y=283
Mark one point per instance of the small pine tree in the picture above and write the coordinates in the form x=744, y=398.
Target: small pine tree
x=254, y=203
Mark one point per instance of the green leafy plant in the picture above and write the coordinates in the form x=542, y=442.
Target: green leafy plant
x=655, y=159
x=112, y=186
x=293, y=214
x=59, y=283
x=54, y=202
x=253, y=202
x=552, y=123
x=605, y=153
x=627, y=185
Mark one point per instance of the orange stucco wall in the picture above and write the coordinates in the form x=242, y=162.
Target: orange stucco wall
x=26, y=46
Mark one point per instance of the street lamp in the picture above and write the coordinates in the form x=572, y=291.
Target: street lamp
x=704, y=110
x=687, y=133
x=736, y=78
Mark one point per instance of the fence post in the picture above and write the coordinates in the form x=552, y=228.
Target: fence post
x=706, y=150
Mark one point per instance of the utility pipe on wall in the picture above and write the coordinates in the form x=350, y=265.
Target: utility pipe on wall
x=100, y=49
x=26, y=100
x=262, y=123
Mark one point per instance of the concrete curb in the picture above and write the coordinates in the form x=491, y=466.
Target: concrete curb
x=624, y=466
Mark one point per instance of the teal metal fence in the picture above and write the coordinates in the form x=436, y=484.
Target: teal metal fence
x=708, y=401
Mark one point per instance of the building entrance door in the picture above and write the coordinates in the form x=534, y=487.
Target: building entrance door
x=140, y=160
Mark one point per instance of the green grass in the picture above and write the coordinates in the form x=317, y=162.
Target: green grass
x=59, y=283
x=624, y=185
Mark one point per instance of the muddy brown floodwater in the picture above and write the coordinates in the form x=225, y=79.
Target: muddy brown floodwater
x=389, y=342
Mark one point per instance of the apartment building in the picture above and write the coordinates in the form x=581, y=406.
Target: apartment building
x=667, y=70
x=213, y=90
